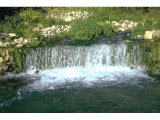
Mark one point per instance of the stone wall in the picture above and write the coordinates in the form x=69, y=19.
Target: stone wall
x=10, y=60
x=11, y=39
x=70, y=16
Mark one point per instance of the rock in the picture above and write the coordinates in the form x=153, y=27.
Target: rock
x=121, y=29
x=116, y=24
x=25, y=41
x=135, y=24
x=7, y=56
x=1, y=59
x=123, y=25
x=5, y=67
x=156, y=35
x=36, y=72
x=3, y=35
x=6, y=43
x=19, y=45
x=107, y=21
x=1, y=44
x=12, y=35
x=7, y=38
x=130, y=26
x=16, y=41
x=20, y=39
x=148, y=35
x=68, y=19
x=140, y=36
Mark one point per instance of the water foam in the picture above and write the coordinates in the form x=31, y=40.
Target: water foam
x=86, y=76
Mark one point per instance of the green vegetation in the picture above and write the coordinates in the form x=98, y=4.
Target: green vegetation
x=23, y=22
x=92, y=27
x=87, y=29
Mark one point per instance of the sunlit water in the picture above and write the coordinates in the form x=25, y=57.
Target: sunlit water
x=97, y=78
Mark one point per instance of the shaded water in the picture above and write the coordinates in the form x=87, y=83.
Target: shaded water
x=96, y=78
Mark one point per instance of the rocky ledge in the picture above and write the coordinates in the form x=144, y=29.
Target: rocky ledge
x=11, y=39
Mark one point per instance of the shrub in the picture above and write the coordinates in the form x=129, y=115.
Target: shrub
x=10, y=24
x=88, y=29
x=26, y=32
x=30, y=15
x=106, y=28
x=85, y=30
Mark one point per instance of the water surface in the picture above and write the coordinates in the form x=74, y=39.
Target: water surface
x=97, y=78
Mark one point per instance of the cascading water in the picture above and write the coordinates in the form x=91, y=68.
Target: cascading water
x=87, y=65
x=83, y=56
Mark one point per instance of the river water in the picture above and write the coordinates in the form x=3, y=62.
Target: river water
x=97, y=78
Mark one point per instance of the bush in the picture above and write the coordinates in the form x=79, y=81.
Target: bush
x=85, y=30
x=106, y=28
x=27, y=32
x=30, y=15
x=88, y=29
x=10, y=24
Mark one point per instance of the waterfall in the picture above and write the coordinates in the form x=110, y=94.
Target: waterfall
x=85, y=65
x=83, y=56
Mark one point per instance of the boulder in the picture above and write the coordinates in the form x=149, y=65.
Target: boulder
x=123, y=25
x=19, y=45
x=148, y=35
x=1, y=59
x=12, y=35
x=16, y=41
x=20, y=39
x=121, y=29
x=25, y=41
x=1, y=44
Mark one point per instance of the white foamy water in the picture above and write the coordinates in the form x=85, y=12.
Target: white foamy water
x=66, y=77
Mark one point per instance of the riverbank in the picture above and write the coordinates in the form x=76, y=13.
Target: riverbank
x=33, y=26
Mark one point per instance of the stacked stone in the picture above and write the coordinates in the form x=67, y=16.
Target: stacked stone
x=70, y=16
x=54, y=30
x=5, y=60
x=123, y=25
x=10, y=39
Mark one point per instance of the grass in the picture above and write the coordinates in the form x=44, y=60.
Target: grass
x=24, y=21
